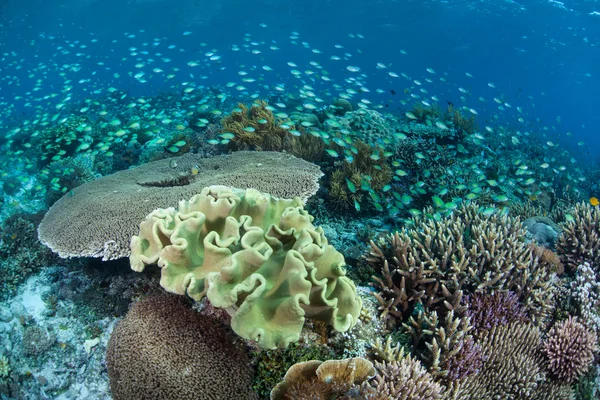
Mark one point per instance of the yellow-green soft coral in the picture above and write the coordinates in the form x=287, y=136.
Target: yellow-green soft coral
x=258, y=256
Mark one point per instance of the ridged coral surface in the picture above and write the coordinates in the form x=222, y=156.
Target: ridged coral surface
x=257, y=256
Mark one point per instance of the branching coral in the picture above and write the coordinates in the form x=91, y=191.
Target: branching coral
x=489, y=310
x=513, y=368
x=585, y=289
x=570, y=348
x=405, y=379
x=580, y=241
x=438, y=260
x=464, y=125
x=446, y=346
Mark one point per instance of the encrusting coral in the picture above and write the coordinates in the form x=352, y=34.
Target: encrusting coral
x=257, y=256
x=580, y=240
x=323, y=380
x=162, y=349
x=570, y=348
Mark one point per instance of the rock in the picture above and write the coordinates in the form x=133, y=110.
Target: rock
x=542, y=230
x=18, y=309
x=88, y=345
x=5, y=314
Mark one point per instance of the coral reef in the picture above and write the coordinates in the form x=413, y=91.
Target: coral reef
x=446, y=347
x=487, y=311
x=580, y=241
x=438, y=260
x=323, y=380
x=257, y=256
x=365, y=175
x=4, y=367
x=570, y=348
x=98, y=218
x=37, y=340
x=513, y=368
x=164, y=350
x=21, y=254
x=585, y=290
x=542, y=230
x=257, y=128
x=271, y=365
x=405, y=379
x=65, y=175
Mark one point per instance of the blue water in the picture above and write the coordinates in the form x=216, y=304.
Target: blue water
x=540, y=55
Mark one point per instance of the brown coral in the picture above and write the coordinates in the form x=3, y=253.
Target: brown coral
x=580, y=241
x=570, y=348
x=436, y=261
x=405, y=379
x=164, y=350
x=257, y=128
x=363, y=171
x=321, y=380
x=99, y=218
x=446, y=347
x=514, y=368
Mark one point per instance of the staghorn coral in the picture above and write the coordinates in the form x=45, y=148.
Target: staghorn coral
x=323, y=380
x=258, y=257
x=585, y=290
x=446, y=347
x=580, y=241
x=513, y=368
x=164, y=350
x=384, y=351
x=4, y=367
x=489, y=310
x=405, y=379
x=570, y=348
x=98, y=218
x=438, y=260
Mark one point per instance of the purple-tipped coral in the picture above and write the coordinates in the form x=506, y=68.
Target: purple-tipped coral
x=487, y=311
x=467, y=360
x=570, y=349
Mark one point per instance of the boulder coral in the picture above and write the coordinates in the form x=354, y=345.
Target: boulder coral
x=255, y=255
